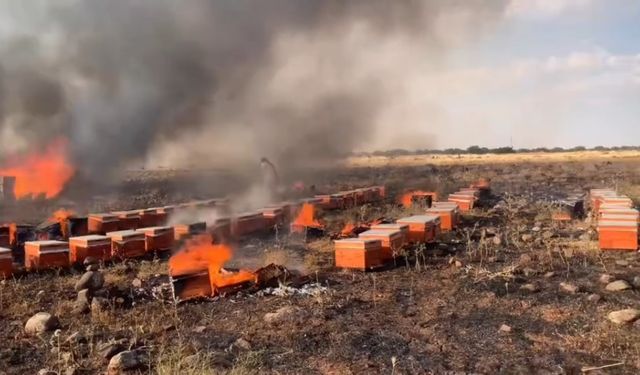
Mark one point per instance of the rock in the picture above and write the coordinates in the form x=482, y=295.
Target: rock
x=280, y=315
x=505, y=329
x=242, y=344
x=99, y=304
x=72, y=371
x=594, y=298
x=549, y=275
x=527, y=237
x=528, y=272
x=530, y=288
x=497, y=241
x=91, y=280
x=199, y=329
x=110, y=349
x=40, y=323
x=536, y=229
x=45, y=371
x=458, y=264
x=622, y=263
x=525, y=259
x=585, y=237
x=83, y=302
x=606, y=278
x=93, y=267
x=547, y=235
x=568, y=252
x=136, y=283
x=624, y=316
x=636, y=282
x=125, y=361
x=617, y=286
x=569, y=288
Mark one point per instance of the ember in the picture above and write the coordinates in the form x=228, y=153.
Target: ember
x=41, y=173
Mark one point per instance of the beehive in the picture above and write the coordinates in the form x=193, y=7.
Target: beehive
x=103, y=223
x=422, y=228
x=448, y=216
x=96, y=246
x=158, y=239
x=465, y=202
x=5, y=236
x=128, y=220
x=184, y=231
x=358, y=253
x=392, y=241
x=221, y=229
x=151, y=217
x=248, y=223
x=127, y=244
x=273, y=216
x=192, y=285
x=39, y=255
x=330, y=201
x=618, y=235
x=6, y=263
x=394, y=227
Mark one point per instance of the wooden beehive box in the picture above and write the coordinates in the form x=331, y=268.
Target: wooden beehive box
x=358, y=253
x=127, y=244
x=448, y=216
x=618, y=235
x=128, y=220
x=394, y=227
x=6, y=263
x=93, y=245
x=158, y=239
x=392, y=241
x=40, y=255
x=422, y=228
x=103, y=223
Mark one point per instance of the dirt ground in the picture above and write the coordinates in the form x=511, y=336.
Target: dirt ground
x=486, y=300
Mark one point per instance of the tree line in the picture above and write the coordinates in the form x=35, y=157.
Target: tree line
x=477, y=150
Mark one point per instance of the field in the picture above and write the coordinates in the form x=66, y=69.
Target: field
x=509, y=292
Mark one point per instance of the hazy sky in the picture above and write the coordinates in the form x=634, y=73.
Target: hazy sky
x=551, y=73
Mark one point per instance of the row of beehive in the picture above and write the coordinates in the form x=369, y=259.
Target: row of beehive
x=378, y=246
x=617, y=220
x=349, y=198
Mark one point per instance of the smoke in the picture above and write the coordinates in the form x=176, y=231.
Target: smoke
x=221, y=82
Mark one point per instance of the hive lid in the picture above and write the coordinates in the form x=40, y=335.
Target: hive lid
x=390, y=226
x=619, y=210
x=419, y=219
x=4, y=251
x=614, y=223
x=358, y=242
x=47, y=243
x=617, y=217
x=154, y=229
x=125, y=233
x=104, y=216
x=380, y=232
x=90, y=237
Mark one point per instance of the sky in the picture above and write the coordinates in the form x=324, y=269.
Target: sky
x=550, y=73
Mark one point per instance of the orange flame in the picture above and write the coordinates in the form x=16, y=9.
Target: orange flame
x=61, y=216
x=306, y=219
x=200, y=254
x=44, y=172
x=348, y=229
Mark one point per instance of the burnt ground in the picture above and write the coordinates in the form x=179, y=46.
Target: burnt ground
x=439, y=310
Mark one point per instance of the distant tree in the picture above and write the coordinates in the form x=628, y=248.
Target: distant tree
x=578, y=148
x=477, y=150
x=503, y=150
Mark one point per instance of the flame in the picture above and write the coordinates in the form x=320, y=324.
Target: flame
x=348, y=229
x=44, y=172
x=306, y=219
x=200, y=254
x=13, y=234
x=62, y=216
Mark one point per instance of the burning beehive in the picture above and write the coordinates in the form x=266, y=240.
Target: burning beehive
x=197, y=270
x=103, y=223
x=618, y=235
x=422, y=228
x=127, y=244
x=418, y=197
x=39, y=255
x=6, y=263
x=158, y=239
x=358, y=253
x=392, y=241
x=306, y=220
x=93, y=245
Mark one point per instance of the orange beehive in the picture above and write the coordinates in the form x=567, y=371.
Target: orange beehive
x=191, y=285
x=348, y=198
x=158, y=238
x=394, y=227
x=606, y=216
x=6, y=263
x=392, y=241
x=248, y=223
x=379, y=192
x=273, y=216
x=128, y=220
x=597, y=194
x=358, y=253
x=448, y=216
x=103, y=223
x=127, y=244
x=422, y=228
x=93, y=245
x=40, y=255
x=482, y=184
x=618, y=235
x=464, y=201
x=150, y=217
x=330, y=201
x=184, y=231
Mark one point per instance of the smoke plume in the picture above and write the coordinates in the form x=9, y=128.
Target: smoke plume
x=211, y=81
